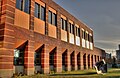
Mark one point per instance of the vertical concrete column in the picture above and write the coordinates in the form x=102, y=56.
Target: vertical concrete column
x=58, y=25
x=59, y=60
x=6, y=37
x=47, y=20
x=31, y=26
x=74, y=33
x=46, y=59
x=93, y=60
x=68, y=30
x=75, y=59
x=90, y=61
x=68, y=61
x=86, y=61
x=29, y=58
x=81, y=61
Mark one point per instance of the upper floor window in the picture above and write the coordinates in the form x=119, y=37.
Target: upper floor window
x=77, y=31
x=64, y=24
x=52, y=18
x=91, y=39
x=39, y=11
x=71, y=28
x=23, y=5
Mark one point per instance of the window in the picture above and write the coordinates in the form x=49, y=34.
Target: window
x=71, y=28
x=23, y=5
x=37, y=58
x=64, y=24
x=77, y=31
x=39, y=11
x=84, y=35
x=52, y=18
x=42, y=13
x=18, y=57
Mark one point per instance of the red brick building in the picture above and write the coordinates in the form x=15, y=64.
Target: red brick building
x=40, y=36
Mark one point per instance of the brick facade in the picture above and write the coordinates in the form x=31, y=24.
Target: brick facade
x=15, y=36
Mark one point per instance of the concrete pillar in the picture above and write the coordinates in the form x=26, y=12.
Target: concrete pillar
x=46, y=59
x=68, y=61
x=81, y=61
x=86, y=61
x=75, y=59
x=59, y=60
x=29, y=58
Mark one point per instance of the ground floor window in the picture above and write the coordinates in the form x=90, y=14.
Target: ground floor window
x=18, y=57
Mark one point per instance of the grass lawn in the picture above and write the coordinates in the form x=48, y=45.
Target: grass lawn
x=91, y=73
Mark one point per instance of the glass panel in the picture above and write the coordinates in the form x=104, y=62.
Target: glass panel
x=42, y=13
x=62, y=23
x=72, y=29
x=36, y=10
x=79, y=32
x=19, y=4
x=50, y=17
x=26, y=6
x=65, y=25
x=54, y=19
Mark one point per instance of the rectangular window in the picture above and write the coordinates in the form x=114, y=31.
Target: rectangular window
x=79, y=32
x=50, y=17
x=64, y=24
x=37, y=10
x=42, y=13
x=23, y=5
x=27, y=6
x=19, y=4
x=70, y=27
x=73, y=29
x=54, y=19
x=84, y=35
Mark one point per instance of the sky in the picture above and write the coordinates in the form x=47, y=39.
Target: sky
x=103, y=16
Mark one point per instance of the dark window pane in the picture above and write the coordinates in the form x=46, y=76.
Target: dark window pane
x=19, y=4
x=36, y=10
x=79, y=32
x=27, y=6
x=73, y=29
x=42, y=13
x=54, y=19
x=65, y=25
x=50, y=17
x=84, y=35
x=70, y=27
x=62, y=23
x=76, y=29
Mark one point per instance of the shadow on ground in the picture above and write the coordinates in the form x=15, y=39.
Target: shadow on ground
x=89, y=73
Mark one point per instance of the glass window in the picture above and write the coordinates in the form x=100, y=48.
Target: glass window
x=42, y=13
x=27, y=6
x=37, y=60
x=70, y=27
x=23, y=5
x=18, y=57
x=62, y=23
x=84, y=35
x=54, y=19
x=19, y=4
x=36, y=10
x=73, y=29
x=65, y=25
x=79, y=32
x=50, y=17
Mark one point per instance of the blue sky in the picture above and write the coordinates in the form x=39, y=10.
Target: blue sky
x=103, y=16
